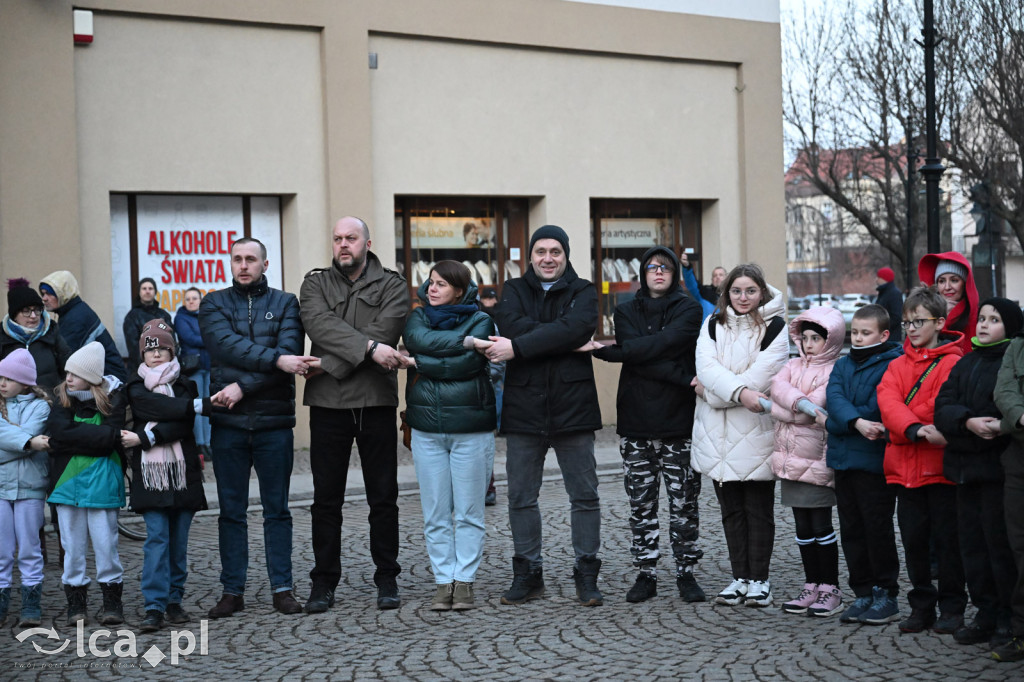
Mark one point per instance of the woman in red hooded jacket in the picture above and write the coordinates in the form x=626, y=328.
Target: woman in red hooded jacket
x=951, y=274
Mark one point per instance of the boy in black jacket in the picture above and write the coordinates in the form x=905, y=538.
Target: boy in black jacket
x=656, y=340
x=966, y=414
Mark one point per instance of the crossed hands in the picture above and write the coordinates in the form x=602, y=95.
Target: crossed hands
x=869, y=429
x=984, y=427
x=391, y=359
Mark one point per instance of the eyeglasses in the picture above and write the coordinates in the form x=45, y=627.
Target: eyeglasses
x=656, y=267
x=916, y=324
x=740, y=293
x=31, y=312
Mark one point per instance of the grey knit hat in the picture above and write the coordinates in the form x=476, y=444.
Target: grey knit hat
x=948, y=267
x=88, y=362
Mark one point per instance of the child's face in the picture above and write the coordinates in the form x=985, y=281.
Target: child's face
x=865, y=333
x=744, y=295
x=76, y=383
x=10, y=388
x=922, y=328
x=155, y=357
x=990, y=325
x=812, y=343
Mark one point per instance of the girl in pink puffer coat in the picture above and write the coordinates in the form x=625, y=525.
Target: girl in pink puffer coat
x=798, y=408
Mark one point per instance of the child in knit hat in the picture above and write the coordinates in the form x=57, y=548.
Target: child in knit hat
x=967, y=415
x=24, y=408
x=167, y=480
x=87, y=470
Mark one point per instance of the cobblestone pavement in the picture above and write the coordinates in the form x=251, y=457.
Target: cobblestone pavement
x=548, y=639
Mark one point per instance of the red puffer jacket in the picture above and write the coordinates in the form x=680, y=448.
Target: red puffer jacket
x=913, y=464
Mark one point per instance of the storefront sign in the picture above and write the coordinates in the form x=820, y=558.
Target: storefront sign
x=635, y=232
x=452, y=233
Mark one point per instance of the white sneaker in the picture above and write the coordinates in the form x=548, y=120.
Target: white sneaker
x=734, y=594
x=759, y=593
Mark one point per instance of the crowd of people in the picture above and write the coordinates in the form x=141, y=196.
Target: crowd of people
x=930, y=431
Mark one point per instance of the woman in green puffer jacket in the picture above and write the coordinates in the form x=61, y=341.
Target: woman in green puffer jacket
x=450, y=407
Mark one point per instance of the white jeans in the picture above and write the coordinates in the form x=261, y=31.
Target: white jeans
x=77, y=526
x=453, y=471
x=20, y=521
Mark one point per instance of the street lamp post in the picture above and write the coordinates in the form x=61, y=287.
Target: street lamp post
x=933, y=168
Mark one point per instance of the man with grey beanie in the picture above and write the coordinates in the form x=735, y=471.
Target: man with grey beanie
x=547, y=318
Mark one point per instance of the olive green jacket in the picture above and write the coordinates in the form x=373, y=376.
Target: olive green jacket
x=341, y=317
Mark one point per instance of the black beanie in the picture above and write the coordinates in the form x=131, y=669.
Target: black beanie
x=1009, y=311
x=551, y=232
x=20, y=298
x=807, y=325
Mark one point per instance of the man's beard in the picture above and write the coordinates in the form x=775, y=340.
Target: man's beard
x=357, y=264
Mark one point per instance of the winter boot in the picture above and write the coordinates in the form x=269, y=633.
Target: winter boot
x=585, y=575
x=689, y=590
x=5, y=603
x=78, y=600
x=527, y=583
x=31, y=614
x=112, y=612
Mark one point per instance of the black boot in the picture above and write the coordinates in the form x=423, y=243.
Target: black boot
x=112, y=612
x=78, y=600
x=527, y=583
x=585, y=575
x=689, y=590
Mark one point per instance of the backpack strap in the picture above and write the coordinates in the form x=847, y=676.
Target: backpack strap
x=920, y=380
x=774, y=327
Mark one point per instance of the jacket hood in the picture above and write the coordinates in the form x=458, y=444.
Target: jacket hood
x=468, y=298
x=950, y=344
x=833, y=322
x=926, y=271
x=676, y=273
x=64, y=285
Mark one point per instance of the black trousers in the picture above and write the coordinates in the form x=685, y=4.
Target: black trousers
x=866, y=505
x=748, y=518
x=331, y=435
x=1013, y=504
x=927, y=517
x=985, y=550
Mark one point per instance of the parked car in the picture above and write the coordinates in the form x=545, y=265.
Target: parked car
x=815, y=300
x=850, y=303
x=797, y=304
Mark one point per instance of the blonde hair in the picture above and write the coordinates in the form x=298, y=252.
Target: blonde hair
x=100, y=395
x=36, y=390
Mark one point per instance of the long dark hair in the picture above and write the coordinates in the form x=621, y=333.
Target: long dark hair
x=754, y=272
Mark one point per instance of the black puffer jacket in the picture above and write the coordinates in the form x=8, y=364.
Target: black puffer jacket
x=656, y=340
x=967, y=393
x=134, y=321
x=891, y=298
x=175, y=418
x=50, y=351
x=246, y=329
x=549, y=389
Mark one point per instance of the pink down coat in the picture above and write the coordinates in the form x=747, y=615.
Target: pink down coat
x=800, y=443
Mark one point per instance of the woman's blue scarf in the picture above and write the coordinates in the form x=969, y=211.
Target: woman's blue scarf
x=23, y=335
x=448, y=316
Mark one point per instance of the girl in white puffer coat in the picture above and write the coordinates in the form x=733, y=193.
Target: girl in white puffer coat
x=739, y=350
x=798, y=402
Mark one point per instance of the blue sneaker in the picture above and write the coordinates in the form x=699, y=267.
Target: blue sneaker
x=884, y=608
x=857, y=609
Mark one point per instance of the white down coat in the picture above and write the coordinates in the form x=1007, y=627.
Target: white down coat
x=731, y=443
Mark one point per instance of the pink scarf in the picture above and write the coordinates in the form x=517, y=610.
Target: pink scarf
x=163, y=466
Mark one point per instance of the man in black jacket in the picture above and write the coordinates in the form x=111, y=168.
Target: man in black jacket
x=890, y=298
x=547, y=319
x=656, y=342
x=254, y=336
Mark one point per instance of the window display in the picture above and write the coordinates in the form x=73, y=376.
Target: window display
x=486, y=234
x=622, y=231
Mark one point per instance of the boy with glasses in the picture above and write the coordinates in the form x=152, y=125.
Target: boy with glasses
x=926, y=510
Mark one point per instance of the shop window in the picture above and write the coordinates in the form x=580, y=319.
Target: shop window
x=622, y=231
x=488, y=235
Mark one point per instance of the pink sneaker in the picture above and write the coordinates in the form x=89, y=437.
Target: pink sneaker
x=829, y=601
x=807, y=596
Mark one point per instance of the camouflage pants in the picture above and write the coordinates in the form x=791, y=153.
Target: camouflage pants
x=643, y=463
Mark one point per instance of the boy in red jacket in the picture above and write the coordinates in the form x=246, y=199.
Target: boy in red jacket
x=926, y=509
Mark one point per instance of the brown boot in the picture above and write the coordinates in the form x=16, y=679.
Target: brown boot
x=228, y=604
x=284, y=602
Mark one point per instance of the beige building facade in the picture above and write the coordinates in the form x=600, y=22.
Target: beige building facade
x=423, y=117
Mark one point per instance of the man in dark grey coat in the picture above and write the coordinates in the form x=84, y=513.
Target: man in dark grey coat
x=547, y=318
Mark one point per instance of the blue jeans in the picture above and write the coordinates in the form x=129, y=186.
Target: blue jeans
x=165, y=557
x=452, y=470
x=201, y=429
x=237, y=452
x=524, y=466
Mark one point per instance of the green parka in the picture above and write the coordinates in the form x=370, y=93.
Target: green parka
x=449, y=390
